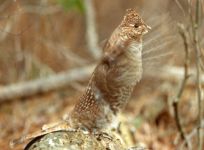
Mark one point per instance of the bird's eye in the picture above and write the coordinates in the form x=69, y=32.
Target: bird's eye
x=136, y=25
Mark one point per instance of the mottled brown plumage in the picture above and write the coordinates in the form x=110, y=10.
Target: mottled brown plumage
x=112, y=81
x=115, y=76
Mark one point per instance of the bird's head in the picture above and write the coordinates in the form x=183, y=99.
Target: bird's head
x=134, y=24
x=127, y=37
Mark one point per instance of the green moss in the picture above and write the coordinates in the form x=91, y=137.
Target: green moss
x=72, y=4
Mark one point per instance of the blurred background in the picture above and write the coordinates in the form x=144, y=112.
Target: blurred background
x=40, y=39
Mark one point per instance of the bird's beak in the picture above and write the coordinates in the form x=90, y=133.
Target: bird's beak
x=146, y=28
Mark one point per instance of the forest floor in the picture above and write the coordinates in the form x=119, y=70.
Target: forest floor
x=148, y=117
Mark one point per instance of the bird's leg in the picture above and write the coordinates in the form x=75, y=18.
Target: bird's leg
x=103, y=135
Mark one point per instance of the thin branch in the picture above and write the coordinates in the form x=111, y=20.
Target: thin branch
x=183, y=84
x=180, y=7
x=191, y=134
x=92, y=36
x=200, y=138
x=195, y=26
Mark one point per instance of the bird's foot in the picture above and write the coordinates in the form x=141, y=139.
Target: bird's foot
x=103, y=135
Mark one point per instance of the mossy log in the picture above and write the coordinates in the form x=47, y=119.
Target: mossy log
x=78, y=140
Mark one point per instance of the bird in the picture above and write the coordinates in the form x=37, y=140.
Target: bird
x=111, y=83
x=114, y=77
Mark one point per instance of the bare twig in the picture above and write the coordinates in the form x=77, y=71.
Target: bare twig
x=200, y=138
x=195, y=20
x=92, y=36
x=181, y=89
x=180, y=7
x=43, y=85
x=191, y=134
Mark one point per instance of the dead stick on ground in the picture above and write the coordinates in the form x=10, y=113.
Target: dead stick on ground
x=44, y=85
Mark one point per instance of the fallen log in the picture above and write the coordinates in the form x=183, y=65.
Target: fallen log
x=43, y=85
x=62, y=80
